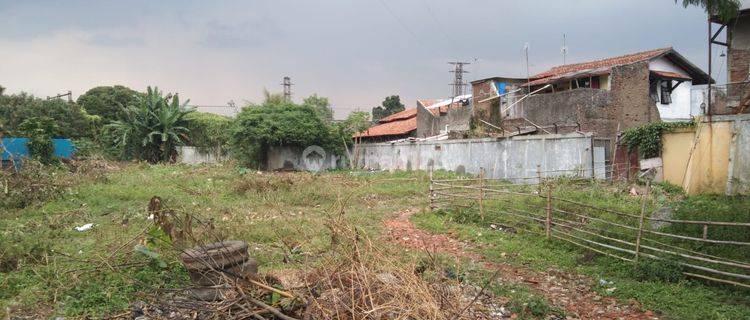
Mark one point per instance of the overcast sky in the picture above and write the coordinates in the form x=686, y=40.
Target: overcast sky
x=355, y=52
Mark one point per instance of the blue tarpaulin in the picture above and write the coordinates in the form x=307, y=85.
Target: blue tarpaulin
x=64, y=148
x=500, y=87
x=18, y=148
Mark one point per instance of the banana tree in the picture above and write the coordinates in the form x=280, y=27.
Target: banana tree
x=152, y=128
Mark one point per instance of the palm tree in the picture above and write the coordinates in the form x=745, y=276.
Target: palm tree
x=152, y=128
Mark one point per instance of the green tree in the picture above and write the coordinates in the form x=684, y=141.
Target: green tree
x=321, y=106
x=208, y=132
x=725, y=9
x=152, y=128
x=357, y=121
x=389, y=106
x=108, y=102
x=70, y=118
x=276, y=123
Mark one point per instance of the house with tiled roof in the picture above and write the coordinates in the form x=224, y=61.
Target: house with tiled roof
x=431, y=117
x=600, y=96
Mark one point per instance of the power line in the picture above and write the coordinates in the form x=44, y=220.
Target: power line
x=401, y=22
x=437, y=22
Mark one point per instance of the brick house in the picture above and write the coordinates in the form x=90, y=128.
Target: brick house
x=431, y=117
x=734, y=96
x=596, y=96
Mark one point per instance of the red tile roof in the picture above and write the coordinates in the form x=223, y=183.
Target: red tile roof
x=406, y=114
x=603, y=63
x=393, y=128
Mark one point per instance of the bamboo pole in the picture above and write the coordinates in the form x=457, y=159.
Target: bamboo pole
x=481, y=193
x=642, y=218
x=549, y=210
x=432, y=192
x=539, y=179
x=705, y=232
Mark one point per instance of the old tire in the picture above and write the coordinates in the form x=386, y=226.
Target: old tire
x=209, y=277
x=216, y=255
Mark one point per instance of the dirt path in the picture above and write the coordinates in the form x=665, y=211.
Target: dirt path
x=571, y=292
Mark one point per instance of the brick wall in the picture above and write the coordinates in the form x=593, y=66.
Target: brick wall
x=599, y=111
x=480, y=91
x=738, y=64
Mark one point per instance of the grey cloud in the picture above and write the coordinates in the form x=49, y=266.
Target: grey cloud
x=114, y=41
x=249, y=33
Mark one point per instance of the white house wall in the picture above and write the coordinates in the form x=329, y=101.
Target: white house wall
x=662, y=64
x=681, y=107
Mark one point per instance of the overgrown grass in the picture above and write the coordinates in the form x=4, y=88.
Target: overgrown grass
x=659, y=286
x=47, y=268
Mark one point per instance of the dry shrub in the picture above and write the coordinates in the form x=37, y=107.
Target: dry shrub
x=261, y=183
x=359, y=280
x=34, y=183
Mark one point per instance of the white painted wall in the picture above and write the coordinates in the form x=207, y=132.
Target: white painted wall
x=662, y=64
x=681, y=108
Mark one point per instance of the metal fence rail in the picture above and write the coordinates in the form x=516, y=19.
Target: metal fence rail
x=621, y=235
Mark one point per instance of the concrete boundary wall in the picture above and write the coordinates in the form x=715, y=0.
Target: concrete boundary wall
x=713, y=157
x=516, y=157
x=191, y=155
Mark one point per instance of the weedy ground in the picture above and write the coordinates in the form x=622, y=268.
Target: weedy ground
x=48, y=268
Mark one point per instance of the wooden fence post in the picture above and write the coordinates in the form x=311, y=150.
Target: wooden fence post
x=549, y=211
x=481, y=193
x=641, y=220
x=432, y=192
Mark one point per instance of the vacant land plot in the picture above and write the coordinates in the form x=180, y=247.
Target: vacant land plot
x=53, y=263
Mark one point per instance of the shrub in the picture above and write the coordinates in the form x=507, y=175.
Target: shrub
x=35, y=183
x=40, y=131
x=647, y=138
x=276, y=123
x=208, y=132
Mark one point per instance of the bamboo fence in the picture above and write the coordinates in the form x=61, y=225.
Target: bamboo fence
x=626, y=236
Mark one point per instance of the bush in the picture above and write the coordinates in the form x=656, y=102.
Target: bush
x=277, y=124
x=647, y=138
x=35, y=183
x=40, y=131
x=208, y=132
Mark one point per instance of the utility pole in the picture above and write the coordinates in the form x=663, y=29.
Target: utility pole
x=564, y=49
x=458, y=77
x=528, y=75
x=287, y=84
x=69, y=95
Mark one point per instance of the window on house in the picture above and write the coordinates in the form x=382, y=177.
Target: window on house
x=666, y=91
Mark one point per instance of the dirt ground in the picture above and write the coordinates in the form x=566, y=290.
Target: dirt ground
x=570, y=292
